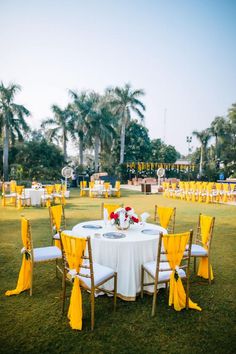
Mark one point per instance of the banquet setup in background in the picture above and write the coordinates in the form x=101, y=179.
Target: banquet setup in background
x=121, y=254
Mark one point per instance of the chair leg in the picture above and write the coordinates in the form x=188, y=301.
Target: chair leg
x=63, y=292
x=209, y=272
x=195, y=264
x=115, y=290
x=142, y=278
x=92, y=308
x=31, y=281
x=154, y=302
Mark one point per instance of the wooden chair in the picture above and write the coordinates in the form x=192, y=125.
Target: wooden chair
x=59, y=194
x=202, y=246
x=47, y=197
x=116, y=190
x=84, y=189
x=31, y=256
x=9, y=193
x=162, y=271
x=165, y=216
x=92, y=276
x=110, y=208
x=57, y=220
x=22, y=198
x=107, y=190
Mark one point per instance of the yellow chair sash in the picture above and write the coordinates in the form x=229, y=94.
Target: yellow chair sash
x=205, y=227
x=110, y=208
x=175, y=247
x=56, y=217
x=24, y=278
x=74, y=249
x=165, y=215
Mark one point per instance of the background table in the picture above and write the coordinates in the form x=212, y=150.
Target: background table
x=124, y=255
x=35, y=195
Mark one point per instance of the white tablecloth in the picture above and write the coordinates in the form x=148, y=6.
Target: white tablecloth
x=35, y=195
x=124, y=255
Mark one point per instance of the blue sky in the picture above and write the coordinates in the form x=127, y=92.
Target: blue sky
x=181, y=52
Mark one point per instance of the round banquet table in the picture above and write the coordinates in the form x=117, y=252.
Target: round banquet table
x=124, y=255
x=35, y=195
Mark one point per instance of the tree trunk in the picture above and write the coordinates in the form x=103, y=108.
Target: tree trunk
x=64, y=146
x=201, y=163
x=81, y=156
x=96, y=152
x=5, y=152
x=122, y=143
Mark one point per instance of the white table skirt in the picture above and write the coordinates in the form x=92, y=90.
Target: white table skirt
x=35, y=195
x=125, y=255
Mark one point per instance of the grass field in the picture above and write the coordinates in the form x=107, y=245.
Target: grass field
x=35, y=324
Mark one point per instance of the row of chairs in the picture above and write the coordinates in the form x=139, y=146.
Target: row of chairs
x=78, y=266
x=204, y=192
x=16, y=195
x=93, y=189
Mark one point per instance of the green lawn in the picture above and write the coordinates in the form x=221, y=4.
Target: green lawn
x=35, y=324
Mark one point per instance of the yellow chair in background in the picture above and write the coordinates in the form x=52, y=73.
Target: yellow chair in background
x=9, y=193
x=165, y=216
x=110, y=208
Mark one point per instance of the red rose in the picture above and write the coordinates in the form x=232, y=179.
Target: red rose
x=128, y=208
x=112, y=215
x=115, y=216
x=134, y=219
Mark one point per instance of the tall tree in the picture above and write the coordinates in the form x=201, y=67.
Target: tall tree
x=12, y=121
x=58, y=127
x=78, y=124
x=100, y=121
x=204, y=137
x=124, y=101
x=218, y=130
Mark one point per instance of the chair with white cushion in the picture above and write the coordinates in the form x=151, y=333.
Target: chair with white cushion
x=171, y=265
x=81, y=270
x=202, y=246
x=9, y=193
x=31, y=256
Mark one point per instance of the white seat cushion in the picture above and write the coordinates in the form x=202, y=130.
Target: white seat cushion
x=198, y=250
x=11, y=195
x=163, y=276
x=46, y=196
x=100, y=274
x=46, y=253
x=56, y=237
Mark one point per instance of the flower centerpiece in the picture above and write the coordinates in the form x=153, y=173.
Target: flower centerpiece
x=123, y=217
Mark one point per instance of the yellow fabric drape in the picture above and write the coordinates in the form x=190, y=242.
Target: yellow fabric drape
x=175, y=246
x=74, y=248
x=56, y=216
x=110, y=208
x=205, y=227
x=165, y=215
x=24, y=279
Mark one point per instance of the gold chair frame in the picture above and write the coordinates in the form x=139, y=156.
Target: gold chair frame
x=93, y=288
x=31, y=252
x=198, y=241
x=161, y=258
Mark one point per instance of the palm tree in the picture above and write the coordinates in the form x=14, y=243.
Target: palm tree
x=124, y=101
x=59, y=126
x=100, y=126
x=77, y=124
x=12, y=120
x=217, y=130
x=204, y=137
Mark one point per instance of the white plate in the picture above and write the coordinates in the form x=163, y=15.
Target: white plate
x=114, y=235
x=150, y=231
